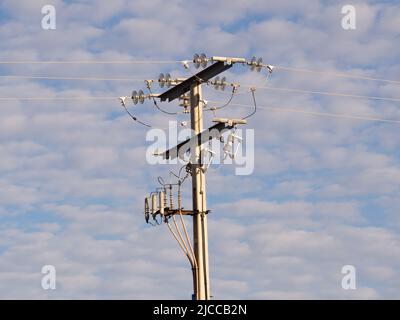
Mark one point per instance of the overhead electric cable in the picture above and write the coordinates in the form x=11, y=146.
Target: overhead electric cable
x=316, y=113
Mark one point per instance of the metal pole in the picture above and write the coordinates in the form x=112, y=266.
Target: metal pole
x=200, y=235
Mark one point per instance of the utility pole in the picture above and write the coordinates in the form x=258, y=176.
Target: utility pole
x=198, y=253
x=200, y=228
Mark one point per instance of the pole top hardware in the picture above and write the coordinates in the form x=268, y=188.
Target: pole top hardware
x=228, y=60
x=230, y=122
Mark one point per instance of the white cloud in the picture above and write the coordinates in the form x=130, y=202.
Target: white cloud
x=73, y=174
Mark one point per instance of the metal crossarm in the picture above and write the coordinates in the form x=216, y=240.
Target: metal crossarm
x=202, y=76
x=213, y=132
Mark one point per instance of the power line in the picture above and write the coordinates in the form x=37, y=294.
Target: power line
x=155, y=102
x=140, y=80
x=56, y=98
x=262, y=87
x=326, y=93
x=226, y=104
x=336, y=74
x=255, y=104
x=93, y=62
x=68, y=78
x=315, y=113
x=133, y=117
x=293, y=69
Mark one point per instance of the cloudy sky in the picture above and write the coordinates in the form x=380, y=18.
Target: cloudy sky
x=73, y=174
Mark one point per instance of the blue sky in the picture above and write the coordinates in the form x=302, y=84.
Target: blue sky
x=73, y=175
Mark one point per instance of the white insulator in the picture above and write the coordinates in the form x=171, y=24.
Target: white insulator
x=147, y=209
x=161, y=196
x=154, y=207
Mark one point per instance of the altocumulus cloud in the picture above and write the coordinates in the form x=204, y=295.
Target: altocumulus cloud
x=324, y=192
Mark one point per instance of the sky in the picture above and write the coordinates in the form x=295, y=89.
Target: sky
x=73, y=174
